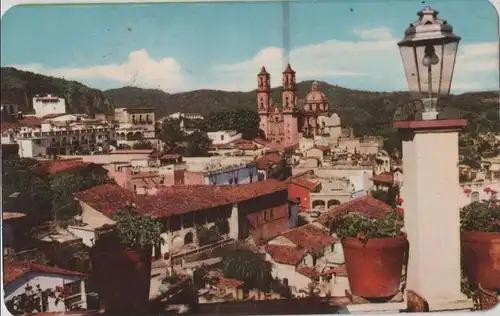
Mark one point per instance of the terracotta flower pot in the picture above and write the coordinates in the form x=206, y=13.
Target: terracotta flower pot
x=481, y=258
x=123, y=279
x=374, y=268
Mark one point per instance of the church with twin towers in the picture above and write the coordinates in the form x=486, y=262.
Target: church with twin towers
x=288, y=124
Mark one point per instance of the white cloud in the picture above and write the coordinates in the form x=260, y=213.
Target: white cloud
x=376, y=33
x=139, y=70
x=371, y=60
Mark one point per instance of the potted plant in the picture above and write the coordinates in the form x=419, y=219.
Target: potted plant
x=480, y=239
x=121, y=261
x=375, y=250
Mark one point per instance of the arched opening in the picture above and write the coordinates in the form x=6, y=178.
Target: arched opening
x=188, y=239
x=333, y=203
x=318, y=203
x=137, y=135
x=222, y=225
x=177, y=243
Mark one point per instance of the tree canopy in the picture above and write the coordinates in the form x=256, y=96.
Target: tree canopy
x=44, y=197
x=249, y=267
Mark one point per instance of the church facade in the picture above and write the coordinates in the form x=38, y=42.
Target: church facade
x=288, y=125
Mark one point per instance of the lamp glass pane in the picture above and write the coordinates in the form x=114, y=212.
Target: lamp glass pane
x=449, y=53
x=411, y=70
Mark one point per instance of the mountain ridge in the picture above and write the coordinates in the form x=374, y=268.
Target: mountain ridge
x=368, y=112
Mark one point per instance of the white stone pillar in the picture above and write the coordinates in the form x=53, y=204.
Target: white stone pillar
x=234, y=224
x=432, y=219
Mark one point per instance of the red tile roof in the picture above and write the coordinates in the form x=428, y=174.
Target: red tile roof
x=386, y=177
x=178, y=199
x=25, y=122
x=227, y=283
x=260, y=141
x=246, y=146
x=322, y=147
x=62, y=165
x=15, y=270
x=285, y=254
x=310, y=185
x=263, y=161
x=366, y=204
x=303, y=179
x=307, y=271
x=132, y=151
x=338, y=271
x=309, y=238
x=106, y=198
x=312, y=273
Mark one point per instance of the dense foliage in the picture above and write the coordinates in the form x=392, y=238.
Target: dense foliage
x=197, y=144
x=245, y=122
x=359, y=225
x=20, y=87
x=24, y=190
x=64, y=185
x=249, y=267
x=207, y=236
x=132, y=231
x=369, y=113
x=44, y=197
x=483, y=216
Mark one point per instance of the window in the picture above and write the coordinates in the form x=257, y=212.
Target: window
x=188, y=239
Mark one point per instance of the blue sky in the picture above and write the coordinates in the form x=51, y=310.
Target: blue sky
x=185, y=46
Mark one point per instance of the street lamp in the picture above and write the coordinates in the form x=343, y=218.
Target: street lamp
x=428, y=51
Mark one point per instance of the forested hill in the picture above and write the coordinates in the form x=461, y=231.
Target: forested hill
x=368, y=112
x=19, y=87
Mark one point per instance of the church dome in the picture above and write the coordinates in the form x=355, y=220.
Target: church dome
x=315, y=95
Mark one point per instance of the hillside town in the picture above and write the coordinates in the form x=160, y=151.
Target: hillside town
x=221, y=223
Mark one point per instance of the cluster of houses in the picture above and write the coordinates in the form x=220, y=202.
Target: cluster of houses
x=241, y=189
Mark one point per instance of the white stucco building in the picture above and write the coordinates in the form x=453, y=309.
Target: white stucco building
x=223, y=137
x=19, y=275
x=48, y=104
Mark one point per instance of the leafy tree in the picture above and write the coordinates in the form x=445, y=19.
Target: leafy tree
x=23, y=189
x=207, y=236
x=281, y=171
x=197, y=144
x=143, y=144
x=136, y=231
x=245, y=122
x=63, y=186
x=171, y=135
x=249, y=267
x=484, y=146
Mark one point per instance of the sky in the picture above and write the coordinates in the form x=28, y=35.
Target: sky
x=187, y=46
